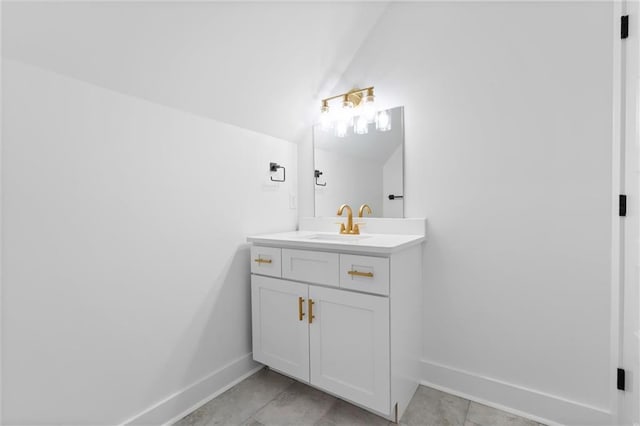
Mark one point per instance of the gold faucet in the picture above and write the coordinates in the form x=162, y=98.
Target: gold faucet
x=350, y=228
x=362, y=208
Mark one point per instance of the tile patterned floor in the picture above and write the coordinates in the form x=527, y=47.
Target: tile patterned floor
x=268, y=398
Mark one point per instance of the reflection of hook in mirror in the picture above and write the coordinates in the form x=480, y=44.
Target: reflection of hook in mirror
x=317, y=175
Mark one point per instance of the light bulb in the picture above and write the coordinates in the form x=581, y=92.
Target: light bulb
x=362, y=125
x=369, y=107
x=383, y=121
x=325, y=118
x=341, y=128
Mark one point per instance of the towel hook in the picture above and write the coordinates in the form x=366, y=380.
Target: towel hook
x=273, y=168
x=317, y=175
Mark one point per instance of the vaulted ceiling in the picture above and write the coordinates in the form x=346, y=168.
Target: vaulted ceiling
x=262, y=66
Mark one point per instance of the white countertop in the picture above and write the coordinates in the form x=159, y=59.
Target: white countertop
x=333, y=241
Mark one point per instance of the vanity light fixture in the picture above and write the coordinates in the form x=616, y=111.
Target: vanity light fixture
x=368, y=106
x=358, y=109
x=346, y=112
x=345, y=117
x=325, y=120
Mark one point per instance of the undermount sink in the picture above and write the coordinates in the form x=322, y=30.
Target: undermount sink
x=337, y=237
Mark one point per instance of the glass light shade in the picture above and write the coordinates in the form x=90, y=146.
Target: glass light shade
x=383, y=121
x=346, y=112
x=362, y=125
x=325, y=120
x=369, y=108
x=341, y=128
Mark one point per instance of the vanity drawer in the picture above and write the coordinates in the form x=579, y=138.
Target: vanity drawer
x=364, y=273
x=311, y=266
x=266, y=261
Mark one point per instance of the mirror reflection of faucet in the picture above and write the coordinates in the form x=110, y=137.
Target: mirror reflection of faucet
x=362, y=208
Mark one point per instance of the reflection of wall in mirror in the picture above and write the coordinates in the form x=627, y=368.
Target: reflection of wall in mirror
x=349, y=180
x=392, y=184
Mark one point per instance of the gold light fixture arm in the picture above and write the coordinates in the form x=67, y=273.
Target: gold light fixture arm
x=354, y=96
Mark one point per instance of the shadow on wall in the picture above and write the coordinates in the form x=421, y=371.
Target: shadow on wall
x=225, y=311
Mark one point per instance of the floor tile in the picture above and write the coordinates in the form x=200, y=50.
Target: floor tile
x=298, y=405
x=481, y=415
x=430, y=407
x=324, y=422
x=252, y=422
x=240, y=402
x=268, y=398
x=344, y=414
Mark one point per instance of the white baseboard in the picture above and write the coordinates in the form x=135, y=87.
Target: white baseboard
x=529, y=403
x=535, y=405
x=181, y=403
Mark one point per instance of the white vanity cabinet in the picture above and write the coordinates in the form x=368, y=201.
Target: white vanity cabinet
x=343, y=321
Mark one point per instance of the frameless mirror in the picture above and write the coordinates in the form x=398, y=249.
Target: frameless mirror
x=361, y=169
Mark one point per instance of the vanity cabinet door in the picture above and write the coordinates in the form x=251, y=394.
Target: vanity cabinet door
x=280, y=327
x=349, y=346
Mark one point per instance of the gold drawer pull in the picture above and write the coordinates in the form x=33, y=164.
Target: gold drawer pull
x=311, y=316
x=360, y=274
x=300, y=313
x=259, y=260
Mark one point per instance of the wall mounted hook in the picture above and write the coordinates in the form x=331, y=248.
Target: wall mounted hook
x=273, y=168
x=317, y=175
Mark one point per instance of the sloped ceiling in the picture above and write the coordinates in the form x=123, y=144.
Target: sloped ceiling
x=262, y=66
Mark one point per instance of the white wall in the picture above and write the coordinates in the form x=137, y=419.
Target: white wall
x=125, y=268
x=306, y=180
x=508, y=154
